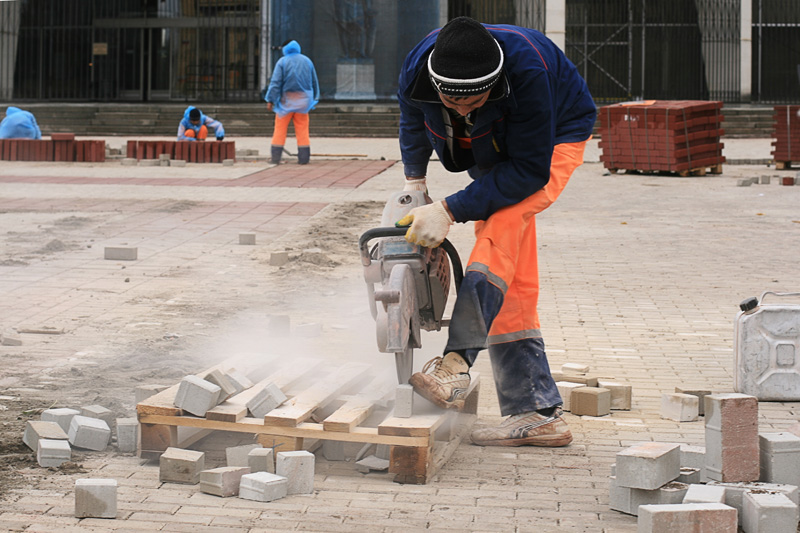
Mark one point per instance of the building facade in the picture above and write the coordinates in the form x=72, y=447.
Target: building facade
x=224, y=50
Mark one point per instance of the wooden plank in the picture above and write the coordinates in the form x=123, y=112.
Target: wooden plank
x=422, y=425
x=356, y=410
x=310, y=430
x=235, y=408
x=319, y=394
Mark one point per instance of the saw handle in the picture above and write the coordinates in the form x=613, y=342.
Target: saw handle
x=375, y=233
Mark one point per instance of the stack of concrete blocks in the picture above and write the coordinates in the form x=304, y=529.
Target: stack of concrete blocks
x=95, y=498
x=591, y=395
x=722, y=477
x=181, y=466
x=89, y=433
x=49, y=441
x=294, y=474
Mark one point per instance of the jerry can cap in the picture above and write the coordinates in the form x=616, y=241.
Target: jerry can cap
x=749, y=304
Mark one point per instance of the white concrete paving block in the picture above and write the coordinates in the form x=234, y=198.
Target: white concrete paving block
x=98, y=411
x=621, y=394
x=619, y=498
x=279, y=258
x=129, y=161
x=239, y=380
x=237, y=455
x=679, y=407
x=121, y=253
x=734, y=492
x=700, y=493
x=53, y=453
x=95, y=498
x=196, y=396
x=181, y=466
x=690, y=517
x=298, y=468
x=223, y=481
x=127, y=434
x=149, y=163
x=565, y=389
x=670, y=493
x=261, y=460
x=38, y=429
x=780, y=458
x=648, y=465
x=574, y=368
x=404, y=401
x=143, y=392
x=701, y=395
x=263, y=487
x=225, y=383
x=228, y=162
x=89, y=433
x=765, y=512
x=694, y=457
x=265, y=400
x=60, y=415
x=247, y=239
x=177, y=163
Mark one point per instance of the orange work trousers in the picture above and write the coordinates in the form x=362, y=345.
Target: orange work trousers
x=300, y=129
x=505, y=250
x=202, y=134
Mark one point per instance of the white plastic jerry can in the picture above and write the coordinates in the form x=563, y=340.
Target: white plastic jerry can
x=767, y=348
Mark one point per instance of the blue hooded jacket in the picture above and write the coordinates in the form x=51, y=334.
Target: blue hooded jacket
x=539, y=101
x=294, y=87
x=19, y=124
x=214, y=126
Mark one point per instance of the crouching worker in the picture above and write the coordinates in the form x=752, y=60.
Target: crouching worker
x=195, y=126
x=504, y=104
x=19, y=124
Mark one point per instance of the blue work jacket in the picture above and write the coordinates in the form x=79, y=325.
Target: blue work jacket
x=539, y=101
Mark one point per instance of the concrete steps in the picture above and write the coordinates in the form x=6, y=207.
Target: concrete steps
x=327, y=120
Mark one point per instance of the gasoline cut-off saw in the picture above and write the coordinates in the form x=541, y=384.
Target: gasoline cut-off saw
x=407, y=284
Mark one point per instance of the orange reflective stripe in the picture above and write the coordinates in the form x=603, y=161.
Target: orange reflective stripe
x=505, y=249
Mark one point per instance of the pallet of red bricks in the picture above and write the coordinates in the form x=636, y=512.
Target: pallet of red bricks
x=786, y=132
x=189, y=151
x=59, y=147
x=680, y=136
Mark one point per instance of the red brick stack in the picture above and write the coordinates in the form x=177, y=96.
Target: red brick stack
x=681, y=136
x=190, y=151
x=786, y=132
x=59, y=147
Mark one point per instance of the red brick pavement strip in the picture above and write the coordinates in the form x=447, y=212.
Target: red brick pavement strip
x=321, y=175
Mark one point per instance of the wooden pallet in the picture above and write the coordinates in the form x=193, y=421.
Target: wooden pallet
x=785, y=165
x=418, y=446
x=699, y=171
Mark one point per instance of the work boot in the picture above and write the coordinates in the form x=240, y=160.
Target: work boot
x=445, y=385
x=303, y=154
x=277, y=151
x=526, y=429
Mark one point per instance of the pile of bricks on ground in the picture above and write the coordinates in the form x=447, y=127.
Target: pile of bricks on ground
x=251, y=474
x=741, y=478
x=59, y=147
x=681, y=136
x=786, y=132
x=189, y=151
x=588, y=394
x=765, y=180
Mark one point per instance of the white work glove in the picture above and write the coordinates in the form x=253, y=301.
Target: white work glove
x=429, y=224
x=415, y=184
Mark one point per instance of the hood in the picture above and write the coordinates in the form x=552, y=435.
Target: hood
x=292, y=47
x=186, y=120
x=11, y=110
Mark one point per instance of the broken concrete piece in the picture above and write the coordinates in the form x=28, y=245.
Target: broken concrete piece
x=370, y=463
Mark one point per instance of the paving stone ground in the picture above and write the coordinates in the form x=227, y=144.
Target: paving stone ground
x=641, y=277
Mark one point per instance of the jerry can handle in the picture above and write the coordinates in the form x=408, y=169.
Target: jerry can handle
x=781, y=294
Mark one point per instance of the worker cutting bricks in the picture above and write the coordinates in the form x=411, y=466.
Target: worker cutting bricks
x=504, y=104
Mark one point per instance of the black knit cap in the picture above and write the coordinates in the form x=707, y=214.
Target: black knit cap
x=466, y=59
x=194, y=114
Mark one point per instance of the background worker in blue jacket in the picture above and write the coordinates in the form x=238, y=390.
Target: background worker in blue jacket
x=506, y=105
x=19, y=124
x=195, y=126
x=293, y=91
